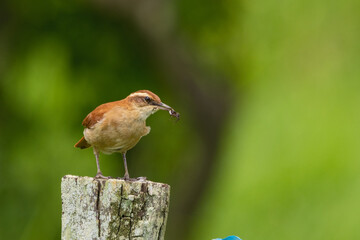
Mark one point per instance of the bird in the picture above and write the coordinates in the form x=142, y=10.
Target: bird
x=118, y=126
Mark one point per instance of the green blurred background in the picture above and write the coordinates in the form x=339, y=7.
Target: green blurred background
x=268, y=142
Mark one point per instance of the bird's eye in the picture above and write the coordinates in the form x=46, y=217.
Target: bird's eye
x=147, y=99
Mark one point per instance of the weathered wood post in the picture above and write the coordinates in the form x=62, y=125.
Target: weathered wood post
x=113, y=209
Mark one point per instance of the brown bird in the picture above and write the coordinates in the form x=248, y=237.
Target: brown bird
x=118, y=126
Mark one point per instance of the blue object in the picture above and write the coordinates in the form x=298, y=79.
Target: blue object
x=229, y=238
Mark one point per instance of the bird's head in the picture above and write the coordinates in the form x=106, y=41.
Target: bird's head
x=146, y=103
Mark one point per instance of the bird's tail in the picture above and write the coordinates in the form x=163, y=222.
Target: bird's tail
x=82, y=143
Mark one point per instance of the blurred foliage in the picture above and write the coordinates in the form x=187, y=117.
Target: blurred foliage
x=287, y=165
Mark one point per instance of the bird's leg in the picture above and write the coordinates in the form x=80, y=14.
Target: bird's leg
x=99, y=173
x=126, y=176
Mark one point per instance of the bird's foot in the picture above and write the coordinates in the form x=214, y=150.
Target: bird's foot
x=100, y=176
x=132, y=179
x=125, y=178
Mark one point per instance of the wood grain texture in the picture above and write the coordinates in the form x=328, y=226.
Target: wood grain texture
x=113, y=209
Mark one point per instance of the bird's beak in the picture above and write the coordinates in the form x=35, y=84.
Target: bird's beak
x=163, y=106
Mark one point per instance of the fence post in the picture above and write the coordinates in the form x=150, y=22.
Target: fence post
x=113, y=209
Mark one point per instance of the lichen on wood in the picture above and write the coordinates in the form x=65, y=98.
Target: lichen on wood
x=113, y=209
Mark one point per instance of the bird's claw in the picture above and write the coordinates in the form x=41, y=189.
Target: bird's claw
x=100, y=176
x=141, y=178
x=132, y=179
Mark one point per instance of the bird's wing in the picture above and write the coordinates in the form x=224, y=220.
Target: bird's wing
x=98, y=113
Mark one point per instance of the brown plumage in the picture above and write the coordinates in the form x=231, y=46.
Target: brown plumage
x=118, y=126
x=82, y=144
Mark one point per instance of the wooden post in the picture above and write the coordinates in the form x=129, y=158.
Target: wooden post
x=113, y=209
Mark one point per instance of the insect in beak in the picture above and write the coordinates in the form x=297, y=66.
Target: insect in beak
x=165, y=107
